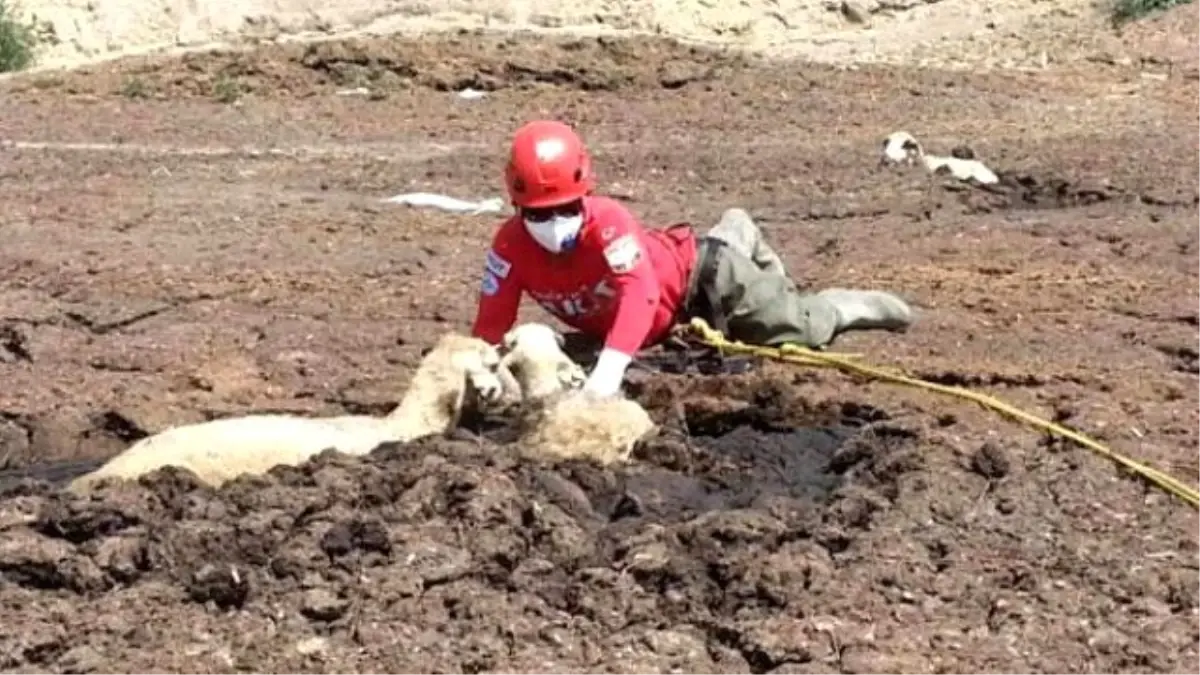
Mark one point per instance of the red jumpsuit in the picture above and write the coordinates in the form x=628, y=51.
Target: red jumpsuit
x=621, y=281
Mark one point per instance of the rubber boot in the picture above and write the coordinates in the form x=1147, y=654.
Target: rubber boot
x=868, y=310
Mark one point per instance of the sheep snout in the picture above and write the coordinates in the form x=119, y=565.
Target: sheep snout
x=487, y=385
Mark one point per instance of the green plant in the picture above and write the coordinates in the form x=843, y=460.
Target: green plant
x=1125, y=11
x=17, y=40
x=135, y=87
x=226, y=89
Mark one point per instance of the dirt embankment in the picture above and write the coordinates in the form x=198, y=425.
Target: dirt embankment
x=947, y=33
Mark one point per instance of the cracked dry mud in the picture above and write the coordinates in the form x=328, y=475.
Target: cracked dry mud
x=790, y=521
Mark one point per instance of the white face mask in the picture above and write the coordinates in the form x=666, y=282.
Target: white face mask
x=557, y=234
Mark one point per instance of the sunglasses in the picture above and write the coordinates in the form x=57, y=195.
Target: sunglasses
x=550, y=212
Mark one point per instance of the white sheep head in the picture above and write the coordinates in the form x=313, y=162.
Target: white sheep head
x=534, y=356
x=900, y=148
x=479, y=362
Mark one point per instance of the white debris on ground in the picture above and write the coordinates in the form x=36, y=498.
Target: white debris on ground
x=901, y=148
x=467, y=94
x=447, y=203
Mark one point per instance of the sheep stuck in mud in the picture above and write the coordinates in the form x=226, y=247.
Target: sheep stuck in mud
x=457, y=372
x=533, y=355
x=901, y=148
x=579, y=425
x=556, y=421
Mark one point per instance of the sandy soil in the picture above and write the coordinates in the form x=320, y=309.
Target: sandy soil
x=169, y=256
x=957, y=34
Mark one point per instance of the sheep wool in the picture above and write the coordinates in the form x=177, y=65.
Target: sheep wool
x=558, y=422
x=220, y=450
x=578, y=425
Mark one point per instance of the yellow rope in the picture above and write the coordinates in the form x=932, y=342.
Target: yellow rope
x=810, y=357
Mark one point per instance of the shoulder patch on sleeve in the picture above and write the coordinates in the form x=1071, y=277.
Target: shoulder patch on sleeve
x=623, y=253
x=497, y=265
x=491, y=285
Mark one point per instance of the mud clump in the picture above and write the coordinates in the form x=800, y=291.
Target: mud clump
x=472, y=558
x=1021, y=191
x=391, y=66
x=991, y=461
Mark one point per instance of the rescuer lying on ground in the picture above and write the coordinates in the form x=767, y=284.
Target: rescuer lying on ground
x=588, y=261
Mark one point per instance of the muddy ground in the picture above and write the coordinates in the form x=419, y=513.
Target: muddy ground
x=201, y=238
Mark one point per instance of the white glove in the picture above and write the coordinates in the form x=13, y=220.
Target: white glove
x=605, y=379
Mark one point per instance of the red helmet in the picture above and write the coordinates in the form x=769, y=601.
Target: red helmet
x=548, y=165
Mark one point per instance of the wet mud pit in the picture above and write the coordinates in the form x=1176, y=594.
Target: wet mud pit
x=450, y=552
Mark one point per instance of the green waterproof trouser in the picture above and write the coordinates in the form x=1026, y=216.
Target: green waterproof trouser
x=740, y=287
